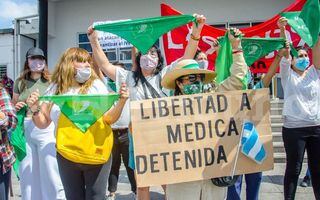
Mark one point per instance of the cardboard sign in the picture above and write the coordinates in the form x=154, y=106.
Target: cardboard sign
x=196, y=137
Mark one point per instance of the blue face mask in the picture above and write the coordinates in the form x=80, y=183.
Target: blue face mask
x=302, y=63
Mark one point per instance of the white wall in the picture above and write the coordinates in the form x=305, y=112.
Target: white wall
x=6, y=53
x=74, y=16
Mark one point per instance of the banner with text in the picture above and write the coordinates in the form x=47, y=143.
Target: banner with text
x=111, y=41
x=196, y=137
x=175, y=41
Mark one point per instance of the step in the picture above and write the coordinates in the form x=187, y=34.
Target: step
x=278, y=147
x=276, y=104
x=281, y=158
x=276, y=127
x=276, y=118
x=277, y=136
x=276, y=111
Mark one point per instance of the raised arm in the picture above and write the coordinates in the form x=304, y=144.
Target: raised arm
x=100, y=58
x=133, y=58
x=282, y=22
x=316, y=54
x=239, y=68
x=274, y=65
x=192, y=45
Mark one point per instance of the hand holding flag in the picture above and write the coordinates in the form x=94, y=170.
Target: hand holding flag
x=234, y=36
x=197, y=27
x=282, y=23
x=124, y=92
x=33, y=101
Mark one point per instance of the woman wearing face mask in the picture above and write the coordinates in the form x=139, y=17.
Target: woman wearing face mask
x=188, y=78
x=203, y=62
x=301, y=111
x=39, y=175
x=145, y=81
x=74, y=74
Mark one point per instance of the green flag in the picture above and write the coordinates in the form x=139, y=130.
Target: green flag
x=298, y=25
x=253, y=49
x=83, y=110
x=310, y=14
x=224, y=59
x=18, y=140
x=143, y=33
x=256, y=48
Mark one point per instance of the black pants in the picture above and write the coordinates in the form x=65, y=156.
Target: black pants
x=120, y=149
x=4, y=183
x=296, y=141
x=83, y=182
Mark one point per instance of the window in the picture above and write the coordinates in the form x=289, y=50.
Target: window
x=122, y=55
x=3, y=70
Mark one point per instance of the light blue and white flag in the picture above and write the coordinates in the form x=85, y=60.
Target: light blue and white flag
x=251, y=144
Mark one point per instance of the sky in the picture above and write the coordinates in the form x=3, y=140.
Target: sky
x=10, y=9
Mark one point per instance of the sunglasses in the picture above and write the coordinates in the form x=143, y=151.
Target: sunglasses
x=192, y=78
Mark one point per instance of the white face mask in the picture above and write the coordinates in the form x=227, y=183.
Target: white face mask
x=36, y=65
x=203, y=64
x=83, y=74
x=148, y=62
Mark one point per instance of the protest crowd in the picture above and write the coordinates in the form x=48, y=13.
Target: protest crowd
x=66, y=134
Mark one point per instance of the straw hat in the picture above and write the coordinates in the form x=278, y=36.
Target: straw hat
x=182, y=68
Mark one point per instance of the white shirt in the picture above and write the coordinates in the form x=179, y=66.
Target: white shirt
x=137, y=92
x=124, y=119
x=97, y=87
x=301, y=96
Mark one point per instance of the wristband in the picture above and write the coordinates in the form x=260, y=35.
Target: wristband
x=194, y=38
x=237, y=51
x=36, y=111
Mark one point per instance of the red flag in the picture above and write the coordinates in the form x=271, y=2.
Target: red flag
x=175, y=41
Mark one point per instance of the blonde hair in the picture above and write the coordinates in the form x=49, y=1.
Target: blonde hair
x=64, y=72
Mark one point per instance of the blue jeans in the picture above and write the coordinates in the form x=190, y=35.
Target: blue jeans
x=4, y=183
x=253, y=182
x=308, y=173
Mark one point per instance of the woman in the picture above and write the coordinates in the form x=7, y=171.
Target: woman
x=39, y=175
x=185, y=81
x=253, y=180
x=301, y=111
x=74, y=74
x=145, y=81
x=8, y=122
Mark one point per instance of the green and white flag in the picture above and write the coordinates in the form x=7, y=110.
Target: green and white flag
x=307, y=22
x=310, y=14
x=253, y=50
x=256, y=48
x=143, y=33
x=298, y=26
x=83, y=110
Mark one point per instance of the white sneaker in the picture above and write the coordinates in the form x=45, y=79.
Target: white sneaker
x=111, y=197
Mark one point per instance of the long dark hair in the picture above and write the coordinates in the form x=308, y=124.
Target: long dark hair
x=26, y=75
x=137, y=75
